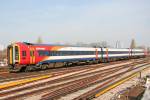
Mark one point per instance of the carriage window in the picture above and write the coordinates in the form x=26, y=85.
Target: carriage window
x=64, y=53
x=23, y=53
x=43, y=53
x=118, y=52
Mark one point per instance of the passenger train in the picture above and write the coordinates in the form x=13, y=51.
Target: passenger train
x=24, y=56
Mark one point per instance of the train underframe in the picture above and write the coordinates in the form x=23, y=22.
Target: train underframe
x=32, y=67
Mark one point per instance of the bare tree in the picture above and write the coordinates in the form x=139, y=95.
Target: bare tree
x=104, y=44
x=133, y=45
x=99, y=44
x=81, y=44
x=39, y=40
x=118, y=45
x=3, y=54
x=141, y=47
x=94, y=44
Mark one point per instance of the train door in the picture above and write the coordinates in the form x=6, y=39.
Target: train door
x=10, y=55
x=107, y=54
x=130, y=53
x=13, y=54
x=145, y=52
x=96, y=53
x=102, y=53
x=32, y=55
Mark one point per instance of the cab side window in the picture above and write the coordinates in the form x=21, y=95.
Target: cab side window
x=24, y=53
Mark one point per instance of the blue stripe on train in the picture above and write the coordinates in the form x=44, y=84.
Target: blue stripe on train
x=66, y=60
x=75, y=59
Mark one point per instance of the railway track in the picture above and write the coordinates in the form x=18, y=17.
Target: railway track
x=108, y=85
x=76, y=75
x=84, y=83
x=57, y=86
x=5, y=76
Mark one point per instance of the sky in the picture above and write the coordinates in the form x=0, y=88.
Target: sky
x=72, y=21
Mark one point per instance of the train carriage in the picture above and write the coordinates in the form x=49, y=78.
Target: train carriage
x=26, y=56
x=116, y=54
x=136, y=53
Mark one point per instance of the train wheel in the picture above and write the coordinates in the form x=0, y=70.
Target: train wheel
x=23, y=69
x=29, y=68
x=44, y=66
x=51, y=65
x=13, y=69
x=96, y=62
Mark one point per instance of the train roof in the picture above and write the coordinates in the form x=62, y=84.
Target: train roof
x=36, y=44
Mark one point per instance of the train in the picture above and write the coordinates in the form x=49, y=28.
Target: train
x=23, y=56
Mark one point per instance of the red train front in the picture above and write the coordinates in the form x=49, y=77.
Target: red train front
x=20, y=55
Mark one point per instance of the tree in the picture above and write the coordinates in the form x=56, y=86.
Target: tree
x=3, y=54
x=99, y=44
x=118, y=45
x=39, y=40
x=82, y=44
x=141, y=47
x=104, y=44
x=133, y=45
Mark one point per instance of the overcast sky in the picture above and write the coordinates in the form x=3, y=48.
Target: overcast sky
x=71, y=21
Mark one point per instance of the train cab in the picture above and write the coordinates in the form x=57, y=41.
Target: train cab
x=19, y=55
